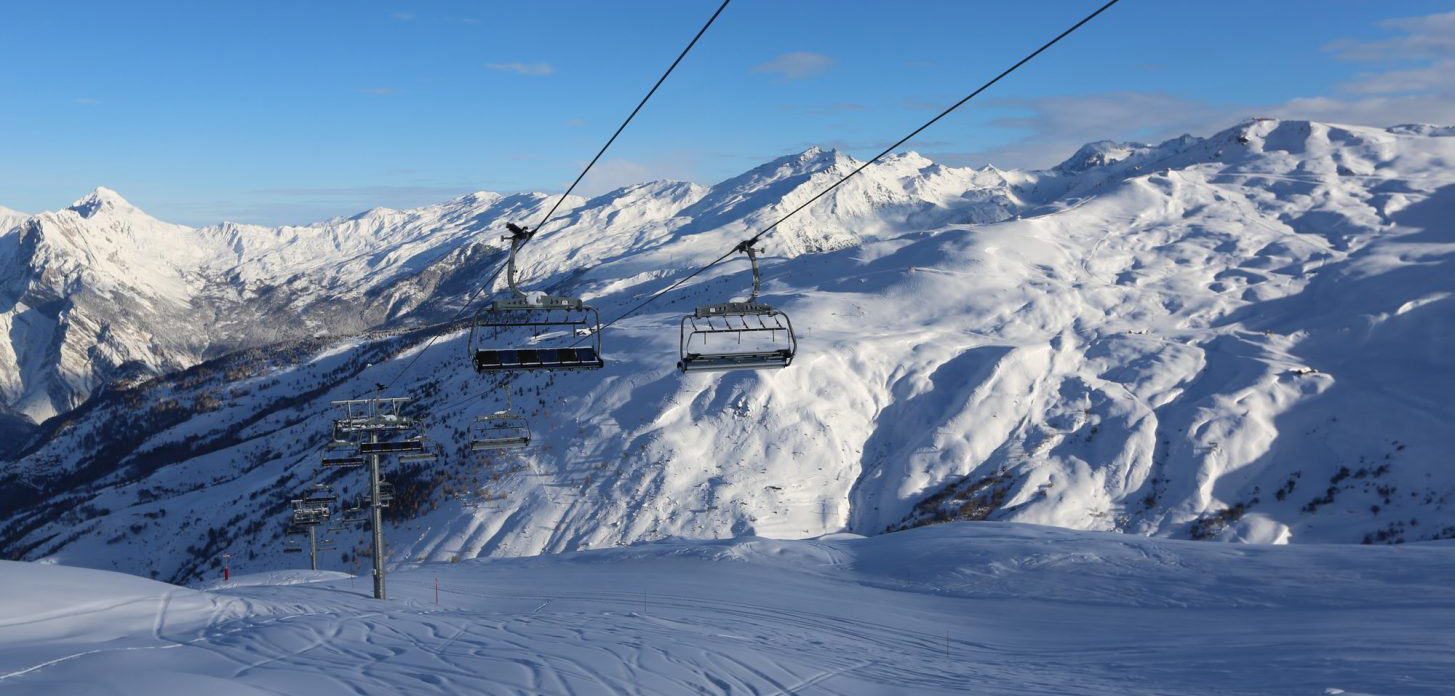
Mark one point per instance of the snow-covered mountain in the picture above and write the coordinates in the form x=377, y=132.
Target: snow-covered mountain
x=1242, y=337
x=103, y=291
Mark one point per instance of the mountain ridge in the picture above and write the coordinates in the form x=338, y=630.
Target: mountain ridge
x=1240, y=337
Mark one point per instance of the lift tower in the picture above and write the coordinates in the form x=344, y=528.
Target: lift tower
x=370, y=429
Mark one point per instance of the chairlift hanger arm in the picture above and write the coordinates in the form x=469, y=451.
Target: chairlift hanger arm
x=747, y=248
x=518, y=237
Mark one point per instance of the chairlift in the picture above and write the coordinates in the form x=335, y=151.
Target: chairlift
x=306, y=515
x=291, y=541
x=321, y=494
x=340, y=440
x=759, y=323
x=386, y=493
x=499, y=431
x=555, y=326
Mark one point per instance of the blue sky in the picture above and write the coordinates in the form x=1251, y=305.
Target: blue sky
x=290, y=112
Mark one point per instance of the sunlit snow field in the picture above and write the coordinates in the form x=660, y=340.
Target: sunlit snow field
x=959, y=608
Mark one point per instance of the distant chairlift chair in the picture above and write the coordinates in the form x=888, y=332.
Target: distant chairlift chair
x=499, y=431
x=497, y=336
x=748, y=319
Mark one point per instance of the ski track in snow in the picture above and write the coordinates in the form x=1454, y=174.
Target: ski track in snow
x=1019, y=609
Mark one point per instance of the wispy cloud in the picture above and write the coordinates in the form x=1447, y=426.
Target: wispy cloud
x=537, y=68
x=379, y=90
x=428, y=193
x=86, y=101
x=402, y=16
x=575, y=122
x=1413, y=81
x=1425, y=37
x=796, y=65
x=611, y=174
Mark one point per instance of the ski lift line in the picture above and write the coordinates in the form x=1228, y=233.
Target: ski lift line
x=463, y=309
x=632, y=115
x=932, y=121
x=861, y=167
x=547, y=218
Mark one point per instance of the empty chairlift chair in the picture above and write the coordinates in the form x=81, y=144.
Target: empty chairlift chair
x=737, y=335
x=520, y=333
x=499, y=431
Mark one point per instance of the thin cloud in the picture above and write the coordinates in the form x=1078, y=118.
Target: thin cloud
x=796, y=65
x=575, y=122
x=86, y=101
x=1416, y=86
x=612, y=174
x=383, y=194
x=402, y=16
x=537, y=68
x=1425, y=37
x=379, y=90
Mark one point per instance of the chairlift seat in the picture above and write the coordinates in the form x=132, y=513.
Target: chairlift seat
x=391, y=447
x=343, y=461
x=498, y=443
x=496, y=359
x=710, y=362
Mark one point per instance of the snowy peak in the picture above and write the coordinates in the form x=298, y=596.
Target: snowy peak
x=1100, y=154
x=102, y=199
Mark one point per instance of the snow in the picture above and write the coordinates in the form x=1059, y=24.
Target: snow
x=1244, y=337
x=1002, y=608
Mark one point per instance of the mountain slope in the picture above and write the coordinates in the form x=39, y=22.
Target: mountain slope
x=1242, y=337
x=191, y=294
